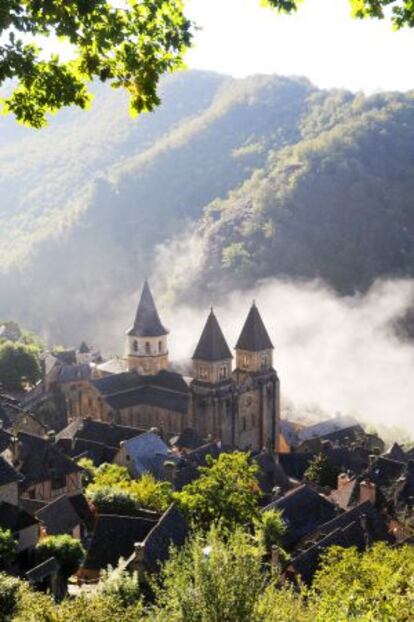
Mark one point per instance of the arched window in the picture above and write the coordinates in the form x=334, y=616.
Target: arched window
x=147, y=347
x=160, y=346
x=135, y=345
x=246, y=360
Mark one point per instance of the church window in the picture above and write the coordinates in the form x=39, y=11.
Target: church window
x=223, y=372
x=135, y=346
x=147, y=347
x=160, y=346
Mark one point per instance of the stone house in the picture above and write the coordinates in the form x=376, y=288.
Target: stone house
x=47, y=472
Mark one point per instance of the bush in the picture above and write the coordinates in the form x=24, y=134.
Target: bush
x=68, y=552
x=9, y=596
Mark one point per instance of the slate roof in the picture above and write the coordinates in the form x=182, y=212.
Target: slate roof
x=84, y=348
x=328, y=428
x=147, y=452
x=74, y=373
x=303, y=510
x=171, y=529
x=254, y=336
x=114, y=537
x=67, y=357
x=125, y=381
x=59, y=516
x=8, y=473
x=42, y=571
x=147, y=322
x=396, y=452
x=14, y=518
x=108, y=434
x=359, y=527
x=81, y=448
x=270, y=473
x=151, y=396
x=82, y=509
x=212, y=345
x=39, y=460
x=5, y=438
x=166, y=389
x=188, y=439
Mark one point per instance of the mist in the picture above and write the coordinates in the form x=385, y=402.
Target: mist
x=338, y=354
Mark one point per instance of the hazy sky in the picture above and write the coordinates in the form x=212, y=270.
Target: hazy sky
x=321, y=42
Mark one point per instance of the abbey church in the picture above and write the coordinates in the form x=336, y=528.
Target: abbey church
x=237, y=404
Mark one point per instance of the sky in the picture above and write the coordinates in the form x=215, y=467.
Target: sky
x=321, y=41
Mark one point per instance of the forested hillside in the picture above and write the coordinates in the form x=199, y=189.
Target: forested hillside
x=262, y=176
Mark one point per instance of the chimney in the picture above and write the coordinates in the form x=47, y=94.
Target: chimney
x=169, y=471
x=367, y=492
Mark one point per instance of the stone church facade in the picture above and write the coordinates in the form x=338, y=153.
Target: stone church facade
x=238, y=406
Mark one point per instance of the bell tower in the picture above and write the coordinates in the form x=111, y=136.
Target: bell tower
x=213, y=389
x=146, y=341
x=258, y=385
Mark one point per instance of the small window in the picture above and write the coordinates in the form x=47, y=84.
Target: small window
x=265, y=360
x=160, y=346
x=147, y=347
x=135, y=345
x=244, y=426
x=223, y=372
x=246, y=360
x=203, y=373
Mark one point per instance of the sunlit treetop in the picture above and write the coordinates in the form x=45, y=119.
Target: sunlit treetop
x=401, y=11
x=127, y=44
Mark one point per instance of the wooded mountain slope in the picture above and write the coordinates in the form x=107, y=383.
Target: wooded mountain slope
x=262, y=176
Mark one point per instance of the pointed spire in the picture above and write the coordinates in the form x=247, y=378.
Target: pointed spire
x=254, y=336
x=147, y=321
x=212, y=345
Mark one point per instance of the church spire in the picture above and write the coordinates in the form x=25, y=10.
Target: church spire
x=147, y=321
x=212, y=356
x=254, y=349
x=254, y=336
x=212, y=345
x=146, y=342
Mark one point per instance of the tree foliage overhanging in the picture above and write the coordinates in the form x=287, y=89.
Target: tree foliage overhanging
x=402, y=11
x=129, y=47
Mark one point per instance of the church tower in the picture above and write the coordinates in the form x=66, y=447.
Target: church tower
x=146, y=341
x=258, y=384
x=213, y=389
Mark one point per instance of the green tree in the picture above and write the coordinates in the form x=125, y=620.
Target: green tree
x=212, y=580
x=19, y=365
x=375, y=585
x=128, y=45
x=68, y=552
x=7, y=548
x=109, y=500
x=320, y=471
x=269, y=529
x=113, y=489
x=227, y=492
